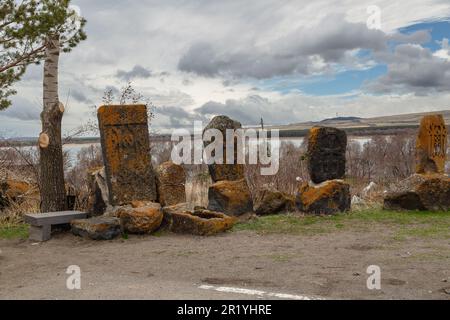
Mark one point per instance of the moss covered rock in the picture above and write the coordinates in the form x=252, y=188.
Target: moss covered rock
x=330, y=197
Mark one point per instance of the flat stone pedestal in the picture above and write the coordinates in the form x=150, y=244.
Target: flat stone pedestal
x=40, y=233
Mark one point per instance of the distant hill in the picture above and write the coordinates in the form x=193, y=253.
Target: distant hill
x=363, y=126
x=338, y=119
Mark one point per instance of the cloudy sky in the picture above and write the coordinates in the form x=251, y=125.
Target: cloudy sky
x=286, y=61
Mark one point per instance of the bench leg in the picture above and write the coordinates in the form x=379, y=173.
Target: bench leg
x=41, y=233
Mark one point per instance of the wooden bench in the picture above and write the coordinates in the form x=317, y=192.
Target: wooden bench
x=41, y=223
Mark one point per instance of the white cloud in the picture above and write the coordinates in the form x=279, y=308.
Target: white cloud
x=443, y=53
x=156, y=34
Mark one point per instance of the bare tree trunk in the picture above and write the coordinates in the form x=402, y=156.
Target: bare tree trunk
x=53, y=194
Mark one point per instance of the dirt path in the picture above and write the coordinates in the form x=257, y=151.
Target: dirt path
x=186, y=267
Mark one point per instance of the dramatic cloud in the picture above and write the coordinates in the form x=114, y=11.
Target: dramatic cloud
x=136, y=72
x=200, y=57
x=303, y=51
x=413, y=68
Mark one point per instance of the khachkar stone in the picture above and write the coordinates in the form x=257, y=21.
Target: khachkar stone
x=126, y=153
x=170, y=181
x=326, y=154
x=431, y=145
x=222, y=172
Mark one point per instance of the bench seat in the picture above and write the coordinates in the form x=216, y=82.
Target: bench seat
x=41, y=223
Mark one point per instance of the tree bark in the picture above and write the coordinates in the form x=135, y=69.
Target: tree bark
x=53, y=194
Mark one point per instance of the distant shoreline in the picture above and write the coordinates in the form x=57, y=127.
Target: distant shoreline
x=284, y=133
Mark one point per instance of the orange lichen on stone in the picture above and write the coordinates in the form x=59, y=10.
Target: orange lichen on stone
x=313, y=135
x=170, y=182
x=431, y=146
x=424, y=192
x=231, y=172
x=327, y=198
x=140, y=220
x=200, y=222
x=16, y=191
x=231, y=197
x=268, y=201
x=123, y=114
x=126, y=153
x=17, y=187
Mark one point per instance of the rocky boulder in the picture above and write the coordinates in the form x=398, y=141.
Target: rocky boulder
x=327, y=198
x=13, y=191
x=429, y=192
x=267, y=201
x=98, y=228
x=200, y=222
x=140, y=218
x=221, y=172
x=170, y=182
x=230, y=197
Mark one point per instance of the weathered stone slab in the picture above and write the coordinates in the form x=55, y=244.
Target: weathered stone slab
x=330, y=197
x=170, y=181
x=431, y=147
x=126, y=153
x=98, y=228
x=268, y=201
x=140, y=219
x=221, y=172
x=230, y=197
x=430, y=192
x=200, y=222
x=326, y=154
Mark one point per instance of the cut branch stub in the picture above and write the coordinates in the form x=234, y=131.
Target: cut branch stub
x=44, y=140
x=61, y=107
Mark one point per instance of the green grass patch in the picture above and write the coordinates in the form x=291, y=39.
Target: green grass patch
x=403, y=224
x=14, y=231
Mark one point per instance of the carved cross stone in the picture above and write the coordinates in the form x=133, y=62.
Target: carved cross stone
x=126, y=153
x=431, y=147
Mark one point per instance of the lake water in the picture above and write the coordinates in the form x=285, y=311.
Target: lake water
x=74, y=149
